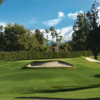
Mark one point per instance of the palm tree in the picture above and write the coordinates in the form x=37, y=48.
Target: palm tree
x=57, y=35
x=52, y=29
x=47, y=35
x=59, y=40
x=52, y=33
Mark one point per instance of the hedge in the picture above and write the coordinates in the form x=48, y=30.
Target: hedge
x=24, y=55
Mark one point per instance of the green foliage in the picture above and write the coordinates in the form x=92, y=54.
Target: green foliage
x=86, y=31
x=28, y=42
x=71, y=44
x=46, y=31
x=17, y=38
x=21, y=55
x=43, y=49
x=1, y=38
x=65, y=47
x=54, y=44
x=39, y=37
x=80, y=28
x=51, y=29
x=93, y=37
x=55, y=34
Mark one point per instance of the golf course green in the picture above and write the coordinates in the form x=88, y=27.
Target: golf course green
x=79, y=82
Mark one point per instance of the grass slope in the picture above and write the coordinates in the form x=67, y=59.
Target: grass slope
x=81, y=81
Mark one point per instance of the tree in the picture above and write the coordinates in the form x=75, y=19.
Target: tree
x=1, y=38
x=52, y=30
x=71, y=44
x=93, y=37
x=65, y=47
x=39, y=36
x=17, y=38
x=1, y=1
x=47, y=35
x=59, y=40
x=43, y=49
x=28, y=41
x=52, y=33
x=80, y=28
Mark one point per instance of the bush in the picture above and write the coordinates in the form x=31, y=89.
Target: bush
x=54, y=44
x=21, y=55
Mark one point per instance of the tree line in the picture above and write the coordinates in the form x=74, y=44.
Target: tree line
x=17, y=38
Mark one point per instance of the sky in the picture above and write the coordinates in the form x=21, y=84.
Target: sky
x=43, y=14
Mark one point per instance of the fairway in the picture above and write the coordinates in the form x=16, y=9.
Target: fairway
x=79, y=82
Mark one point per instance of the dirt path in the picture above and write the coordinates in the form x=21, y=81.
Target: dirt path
x=92, y=60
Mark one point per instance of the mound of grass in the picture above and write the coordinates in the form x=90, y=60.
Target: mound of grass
x=81, y=81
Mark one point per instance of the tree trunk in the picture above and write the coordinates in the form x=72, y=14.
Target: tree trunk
x=47, y=40
x=57, y=44
x=95, y=56
x=52, y=40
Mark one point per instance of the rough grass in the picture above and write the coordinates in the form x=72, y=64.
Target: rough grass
x=81, y=81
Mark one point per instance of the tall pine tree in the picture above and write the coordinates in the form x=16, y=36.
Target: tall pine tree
x=93, y=37
x=80, y=28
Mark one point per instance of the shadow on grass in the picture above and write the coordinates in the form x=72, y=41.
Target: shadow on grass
x=44, y=98
x=59, y=89
x=97, y=75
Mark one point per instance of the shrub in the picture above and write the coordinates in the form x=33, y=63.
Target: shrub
x=41, y=55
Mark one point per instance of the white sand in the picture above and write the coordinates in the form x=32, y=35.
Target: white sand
x=91, y=60
x=50, y=64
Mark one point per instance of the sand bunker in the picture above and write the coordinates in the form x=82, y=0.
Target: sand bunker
x=92, y=60
x=49, y=64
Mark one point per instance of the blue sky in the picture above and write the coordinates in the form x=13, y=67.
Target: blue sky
x=42, y=14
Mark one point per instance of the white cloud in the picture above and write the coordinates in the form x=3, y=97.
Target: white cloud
x=74, y=15
x=61, y=14
x=98, y=20
x=3, y=24
x=66, y=32
x=68, y=37
x=98, y=8
x=99, y=11
x=54, y=22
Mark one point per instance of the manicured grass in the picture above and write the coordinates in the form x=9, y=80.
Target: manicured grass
x=81, y=81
